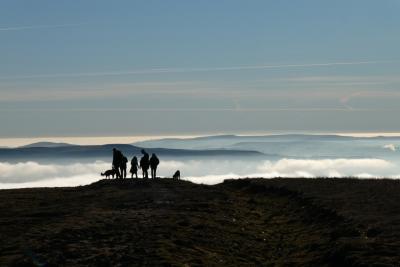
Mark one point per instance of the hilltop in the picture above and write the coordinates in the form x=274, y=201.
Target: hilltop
x=249, y=222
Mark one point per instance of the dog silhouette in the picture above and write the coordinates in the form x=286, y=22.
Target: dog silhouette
x=177, y=175
x=109, y=173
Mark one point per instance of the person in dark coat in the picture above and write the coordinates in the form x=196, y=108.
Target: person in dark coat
x=154, y=161
x=144, y=164
x=123, y=166
x=117, y=160
x=134, y=167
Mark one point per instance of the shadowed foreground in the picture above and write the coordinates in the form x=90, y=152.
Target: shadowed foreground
x=257, y=222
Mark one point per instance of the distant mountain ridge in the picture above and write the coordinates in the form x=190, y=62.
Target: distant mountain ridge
x=313, y=137
x=289, y=145
x=227, y=141
x=105, y=151
x=269, y=146
x=46, y=144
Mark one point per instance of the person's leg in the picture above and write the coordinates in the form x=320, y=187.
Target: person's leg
x=155, y=172
x=117, y=174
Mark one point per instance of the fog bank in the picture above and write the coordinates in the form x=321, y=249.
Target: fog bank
x=207, y=171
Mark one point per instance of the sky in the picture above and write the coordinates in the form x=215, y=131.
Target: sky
x=178, y=67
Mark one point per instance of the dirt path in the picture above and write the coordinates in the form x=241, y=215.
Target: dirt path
x=169, y=223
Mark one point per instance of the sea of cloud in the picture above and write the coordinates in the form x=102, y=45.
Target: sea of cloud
x=207, y=171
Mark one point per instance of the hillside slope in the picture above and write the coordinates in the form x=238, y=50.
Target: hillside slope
x=177, y=223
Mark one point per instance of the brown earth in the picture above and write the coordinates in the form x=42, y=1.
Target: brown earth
x=163, y=222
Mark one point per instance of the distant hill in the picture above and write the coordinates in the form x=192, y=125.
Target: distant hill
x=289, y=145
x=228, y=141
x=46, y=144
x=105, y=151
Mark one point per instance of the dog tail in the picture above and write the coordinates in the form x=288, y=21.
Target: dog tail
x=102, y=174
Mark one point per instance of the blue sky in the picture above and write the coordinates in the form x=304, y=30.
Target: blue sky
x=100, y=68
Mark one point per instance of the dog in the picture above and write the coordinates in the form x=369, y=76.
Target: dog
x=109, y=173
x=177, y=175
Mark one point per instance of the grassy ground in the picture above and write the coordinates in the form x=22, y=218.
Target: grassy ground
x=257, y=222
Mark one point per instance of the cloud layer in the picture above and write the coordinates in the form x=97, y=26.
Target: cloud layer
x=186, y=70
x=33, y=27
x=33, y=174
x=32, y=171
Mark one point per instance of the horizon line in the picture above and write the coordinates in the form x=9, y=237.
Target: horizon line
x=12, y=142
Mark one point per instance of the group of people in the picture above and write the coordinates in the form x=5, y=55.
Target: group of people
x=119, y=164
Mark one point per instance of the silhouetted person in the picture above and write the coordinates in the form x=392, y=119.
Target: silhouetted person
x=144, y=164
x=117, y=159
x=123, y=166
x=154, y=161
x=134, y=167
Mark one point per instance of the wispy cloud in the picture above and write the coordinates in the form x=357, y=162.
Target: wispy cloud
x=253, y=99
x=117, y=90
x=345, y=100
x=34, y=27
x=189, y=70
x=198, y=110
x=345, y=80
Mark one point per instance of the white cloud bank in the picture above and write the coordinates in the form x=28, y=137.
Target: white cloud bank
x=391, y=147
x=33, y=174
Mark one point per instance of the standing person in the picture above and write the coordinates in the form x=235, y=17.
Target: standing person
x=154, y=161
x=117, y=159
x=134, y=167
x=144, y=164
x=123, y=166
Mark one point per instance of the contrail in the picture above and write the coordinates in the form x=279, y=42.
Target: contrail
x=185, y=70
x=33, y=27
x=233, y=109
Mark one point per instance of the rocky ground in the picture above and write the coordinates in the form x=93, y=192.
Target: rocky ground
x=163, y=222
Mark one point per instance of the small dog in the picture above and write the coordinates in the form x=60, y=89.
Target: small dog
x=109, y=173
x=177, y=175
